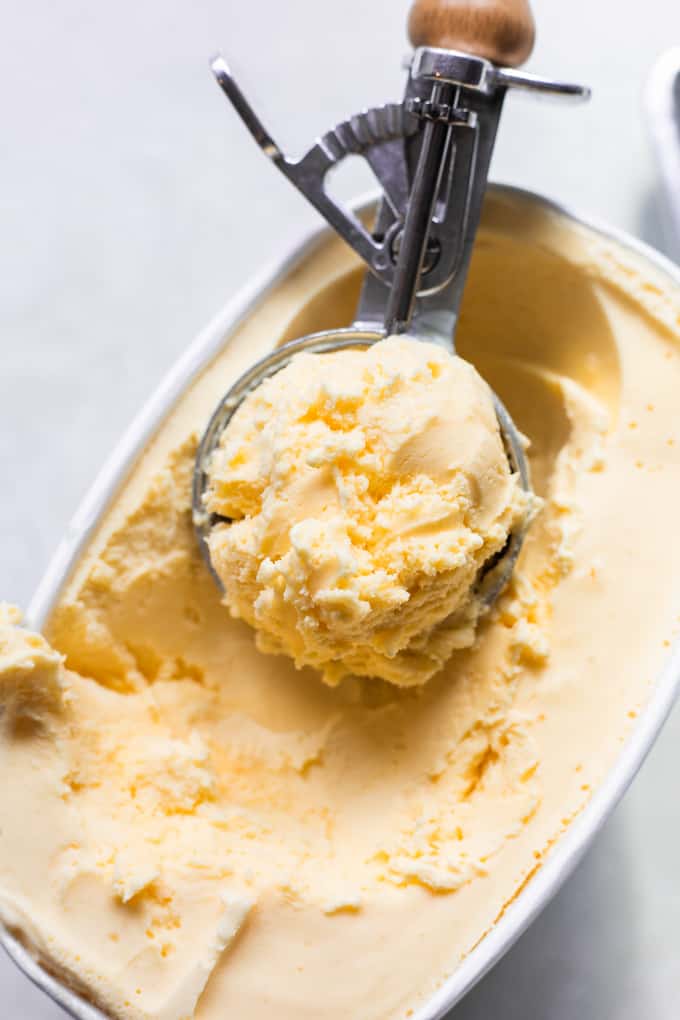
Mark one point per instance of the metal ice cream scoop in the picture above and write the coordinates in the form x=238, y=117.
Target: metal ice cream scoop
x=431, y=155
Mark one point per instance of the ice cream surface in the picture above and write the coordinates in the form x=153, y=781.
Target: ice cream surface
x=365, y=491
x=190, y=828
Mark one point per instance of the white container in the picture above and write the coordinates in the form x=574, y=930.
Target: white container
x=569, y=849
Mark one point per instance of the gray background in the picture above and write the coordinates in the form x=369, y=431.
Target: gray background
x=132, y=205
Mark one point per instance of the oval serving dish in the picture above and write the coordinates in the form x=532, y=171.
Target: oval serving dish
x=570, y=847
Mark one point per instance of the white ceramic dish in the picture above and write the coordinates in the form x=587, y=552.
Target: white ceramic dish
x=570, y=848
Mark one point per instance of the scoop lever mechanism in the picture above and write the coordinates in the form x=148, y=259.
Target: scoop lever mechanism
x=431, y=156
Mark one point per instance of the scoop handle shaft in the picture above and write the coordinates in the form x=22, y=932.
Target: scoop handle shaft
x=498, y=30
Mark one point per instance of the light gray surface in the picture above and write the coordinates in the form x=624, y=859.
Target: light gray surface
x=133, y=205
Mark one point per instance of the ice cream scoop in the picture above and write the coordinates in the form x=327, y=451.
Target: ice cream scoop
x=431, y=154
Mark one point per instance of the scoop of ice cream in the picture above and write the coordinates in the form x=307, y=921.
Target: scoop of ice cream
x=365, y=491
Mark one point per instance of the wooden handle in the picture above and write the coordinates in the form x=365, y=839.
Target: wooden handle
x=499, y=30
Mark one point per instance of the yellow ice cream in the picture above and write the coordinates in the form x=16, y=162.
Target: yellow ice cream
x=366, y=489
x=30, y=673
x=190, y=828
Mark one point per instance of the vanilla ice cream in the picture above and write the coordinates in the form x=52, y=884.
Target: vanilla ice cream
x=192, y=829
x=366, y=489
